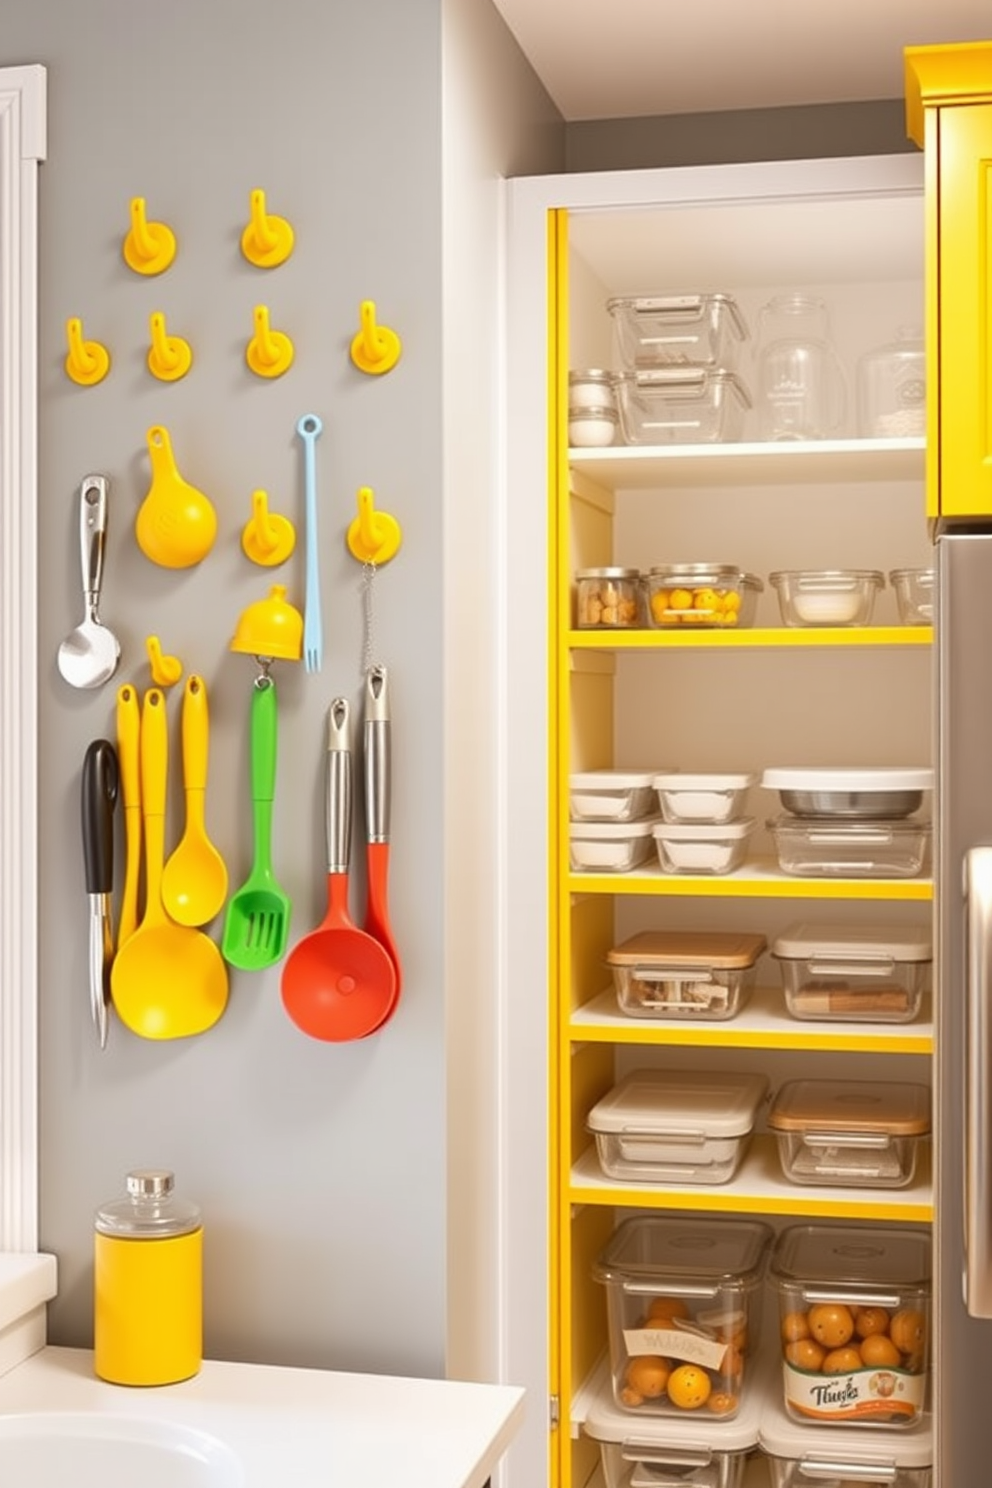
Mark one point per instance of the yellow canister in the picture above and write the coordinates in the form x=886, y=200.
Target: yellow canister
x=148, y=1284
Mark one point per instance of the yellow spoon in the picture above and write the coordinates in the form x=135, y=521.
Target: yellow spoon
x=128, y=734
x=167, y=981
x=194, y=883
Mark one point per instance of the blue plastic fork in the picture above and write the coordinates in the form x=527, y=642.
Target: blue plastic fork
x=309, y=427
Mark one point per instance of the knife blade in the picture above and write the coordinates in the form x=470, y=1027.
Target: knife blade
x=100, y=786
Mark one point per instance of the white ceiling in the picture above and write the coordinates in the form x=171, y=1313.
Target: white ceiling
x=611, y=59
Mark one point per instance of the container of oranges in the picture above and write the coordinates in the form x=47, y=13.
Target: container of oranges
x=683, y=1301
x=854, y=1323
x=700, y=596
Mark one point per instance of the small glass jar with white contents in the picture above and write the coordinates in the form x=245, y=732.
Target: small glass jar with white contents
x=593, y=419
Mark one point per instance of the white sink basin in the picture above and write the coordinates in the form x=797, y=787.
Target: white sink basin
x=110, y=1451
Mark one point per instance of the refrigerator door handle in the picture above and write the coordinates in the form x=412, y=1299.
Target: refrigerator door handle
x=978, y=1082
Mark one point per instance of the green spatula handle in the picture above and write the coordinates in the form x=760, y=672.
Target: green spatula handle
x=263, y=764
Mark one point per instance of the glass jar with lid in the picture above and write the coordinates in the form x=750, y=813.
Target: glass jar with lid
x=607, y=598
x=892, y=388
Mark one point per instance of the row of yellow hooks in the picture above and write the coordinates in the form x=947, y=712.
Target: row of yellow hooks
x=269, y=353
x=150, y=247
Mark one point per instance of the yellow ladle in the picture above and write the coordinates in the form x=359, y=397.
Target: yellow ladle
x=194, y=883
x=168, y=981
x=176, y=524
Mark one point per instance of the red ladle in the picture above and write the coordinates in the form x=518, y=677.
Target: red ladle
x=378, y=752
x=338, y=983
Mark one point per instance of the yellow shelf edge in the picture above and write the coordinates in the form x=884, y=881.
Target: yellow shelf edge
x=757, y=636
x=743, y=885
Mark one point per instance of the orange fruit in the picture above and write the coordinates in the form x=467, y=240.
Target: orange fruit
x=879, y=1350
x=869, y=1320
x=722, y=1402
x=795, y=1325
x=908, y=1330
x=841, y=1360
x=666, y=1307
x=805, y=1353
x=647, y=1375
x=689, y=1387
x=831, y=1324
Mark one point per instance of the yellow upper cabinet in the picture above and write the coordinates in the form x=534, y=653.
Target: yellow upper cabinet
x=949, y=114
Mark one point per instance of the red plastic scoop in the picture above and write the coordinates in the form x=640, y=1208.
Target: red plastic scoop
x=338, y=982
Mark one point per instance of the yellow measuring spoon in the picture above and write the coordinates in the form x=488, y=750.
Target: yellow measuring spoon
x=176, y=524
x=194, y=883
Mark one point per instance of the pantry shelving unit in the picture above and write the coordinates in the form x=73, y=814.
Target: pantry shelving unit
x=728, y=699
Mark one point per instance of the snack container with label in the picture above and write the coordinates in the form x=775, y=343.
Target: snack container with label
x=854, y=1324
x=689, y=330
x=850, y=1133
x=683, y=1302
x=608, y=846
x=685, y=973
x=669, y=1126
x=827, y=847
x=702, y=798
x=672, y=1453
x=804, y=1456
x=607, y=598
x=700, y=847
x=681, y=405
x=854, y=973
x=700, y=596
x=611, y=795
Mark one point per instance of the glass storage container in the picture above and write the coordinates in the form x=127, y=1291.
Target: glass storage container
x=683, y=1300
x=841, y=596
x=854, y=1324
x=892, y=388
x=700, y=330
x=700, y=595
x=607, y=598
x=611, y=795
x=854, y=973
x=801, y=392
x=850, y=1133
x=710, y=797
x=685, y=973
x=700, y=847
x=682, y=405
x=609, y=846
x=850, y=792
x=914, y=594
x=665, y=1126
x=825, y=847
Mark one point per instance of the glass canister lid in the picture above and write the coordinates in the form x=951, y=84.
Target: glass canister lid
x=609, y=573
x=842, y=1255
x=151, y=1210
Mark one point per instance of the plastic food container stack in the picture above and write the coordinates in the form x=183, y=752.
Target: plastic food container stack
x=850, y=1133
x=593, y=419
x=870, y=793
x=842, y=596
x=692, y=330
x=682, y=405
x=702, y=829
x=854, y=973
x=712, y=797
x=700, y=596
x=609, y=846
x=706, y=974
x=665, y=1126
x=854, y=1322
x=673, y=1453
x=683, y=1301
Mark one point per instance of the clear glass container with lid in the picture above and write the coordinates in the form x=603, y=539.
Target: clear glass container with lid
x=854, y=1323
x=850, y=1133
x=892, y=388
x=607, y=598
x=148, y=1283
x=801, y=391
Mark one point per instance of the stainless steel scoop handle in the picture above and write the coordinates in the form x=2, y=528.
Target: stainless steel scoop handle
x=92, y=538
x=338, y=800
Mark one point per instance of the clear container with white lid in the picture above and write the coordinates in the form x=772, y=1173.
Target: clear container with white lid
x=827, y=596
x=683, y=1299
x=611, y=795
x=673, y=1452
x=608, y=598
x=874, y=973
x=850, y=1133
x=609, y=846
x=669, y=1126
x=828, y=847
x=695, y=330
x=592, y=427
x=707, y=974
x=855, y=793
x=705, y=797
x=702, y=847
x=892, y=388
x=801, y=1454
x=854, y=1324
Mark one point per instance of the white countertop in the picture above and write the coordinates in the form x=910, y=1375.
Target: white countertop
x=298, y=1428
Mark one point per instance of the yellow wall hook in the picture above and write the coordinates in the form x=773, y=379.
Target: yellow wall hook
x=169, y=357
x=88, y=362
x=267, y=241
x=266, y=537
x=149, y=247
x=374, y=348
x=166, y=670
x=269, y=353
x=373, y=536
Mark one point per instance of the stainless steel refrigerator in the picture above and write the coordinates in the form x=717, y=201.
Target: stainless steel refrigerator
x=963, y=1008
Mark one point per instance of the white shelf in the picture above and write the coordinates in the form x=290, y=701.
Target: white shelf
x=759, y=1187
x=791, y=465
x=763, y=1023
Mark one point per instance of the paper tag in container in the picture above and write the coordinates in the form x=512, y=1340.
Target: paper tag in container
x=672, y=1343
x=881, y=1395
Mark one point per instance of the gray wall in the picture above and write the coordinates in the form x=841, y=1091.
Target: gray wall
x=320, y=1168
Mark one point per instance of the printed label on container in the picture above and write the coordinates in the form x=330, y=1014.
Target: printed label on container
x=882, y=1395
x=672, y=1343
